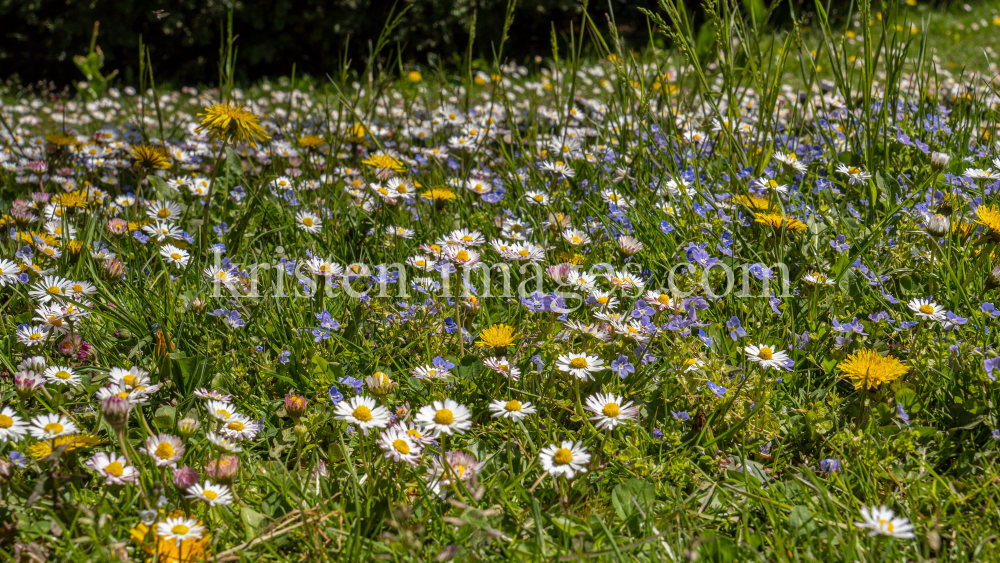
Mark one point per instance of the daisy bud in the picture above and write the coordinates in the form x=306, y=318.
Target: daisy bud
x=186, y=427
x=5, y=471
x=118, y=227
x=198, y=305
x=114, y=269
x=379, y=384
x=939, y=160
x=26, y=382
x=629, y=245
x=36, y=364
x=223, y=472
x=185, y=476
x=295, y=406
x=937, y=225
x=116, y=410
x=993, y=280
x=301, y=430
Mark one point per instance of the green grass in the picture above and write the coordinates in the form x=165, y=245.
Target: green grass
x=738, y=479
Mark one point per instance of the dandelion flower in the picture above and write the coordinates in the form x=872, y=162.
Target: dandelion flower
x=778, y=222
x=497, y=336
x=989, y=217
x=150, y=157
x=233, y=123
x=866, y=367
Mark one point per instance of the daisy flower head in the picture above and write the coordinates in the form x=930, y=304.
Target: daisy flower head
x=240, y=427
x=580, y=366
x=180, y=529
x=866, y=368
x=567, y=458
x=49, y=426
x=219, y=410
x=461, y=256
x=113, y=468
x=513, y=409
x=624, y=280
x=610, y=410
x=309, y=221
x=362, y=412
x=927, y=310
x=132, y=378
x=213, y=494
x=399, y=446
x=165, y=449
x=213, y=395
x=12, y=426
x=223, y=444
x=444, y=417
x=790, y=162
x=503, y=367
x=881, y=521
x=430, y=372
x=855, y=175
x=175, y=256
x=766, y=356
x=816, y=278
x=49, y=287
x=414, y=431
x=770, y=184
x=61, y=375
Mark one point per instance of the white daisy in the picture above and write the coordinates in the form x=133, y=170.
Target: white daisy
x=610, y=410
x=12, y=426
x=176, y=256
x=444, y=417
x=580, y=366
x=212, y=493
x=180, y=529
x=927, y=310
x=513, y=409
x=61, y=375
x=49, y=426
x=399, y=446
x=113, y=468
x=309, y=221
x=766, y=356
x=363, y=412
x=568, y=458
x=882, y=521
x=165, y=449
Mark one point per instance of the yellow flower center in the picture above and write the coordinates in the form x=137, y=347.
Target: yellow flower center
x=401, y=446
x=462, y=255
x=164, y=451
x=853, y=170
x=512, y=406
x=765, y=353
x=163, y=213
x=6, y=421
x=114, y=468
x=927, y=309
x=562, y=456
x=603, y=300
x=577, y=363
x=54, y=428
x=129, y=380
x=176, y=255
x=55, y=289
x=123, y=395
x=307, y=221
x=362, y=413
x=236, y=426
x=180, y=530
x=415, y=434
x=523, y=253
x=77, y=288
x=538, y=197
x=63, y=374
x=576, y=240
x=611, y=410
x=222, y=413
x=444, y=416
x=663, y=298
x=211, y=495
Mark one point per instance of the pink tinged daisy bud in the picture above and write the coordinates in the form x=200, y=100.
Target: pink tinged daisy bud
x=116, y=410
x=198, y=305
x=114, y=269
x=186, y=427
x=118, y=227
x=224, y=470
x=185, y=476
x=295, y=406
x=26, y=382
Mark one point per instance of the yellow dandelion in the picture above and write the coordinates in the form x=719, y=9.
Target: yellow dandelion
x=755, y=203
x=439, y=193
x=569, y=258
x=72, y=199
x=989, y=217
x=74, y=246
x=383, y=162
x=150, y=157
x=60, y=139
x=72, y=442
x=311, y=141
x=233, y=123
x=778, y=221
x=866, y=367
x=497, y=336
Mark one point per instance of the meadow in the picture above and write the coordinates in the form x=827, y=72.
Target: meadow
x=727, y=300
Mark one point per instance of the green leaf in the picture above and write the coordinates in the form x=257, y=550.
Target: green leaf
x=799, y=516
x=470, y=367
x=622, y=495
x=163, y=189
x=252, y=521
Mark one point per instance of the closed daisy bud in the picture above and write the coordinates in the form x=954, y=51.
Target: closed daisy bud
x=939, y=160
x=115, y=410
x=379, y=384
x=937, y=225
x=993, y=280
x=198, y=305
x=185, y=477
x=114, y=269
x=295, y=406
x=186, y=427
x=223, y=472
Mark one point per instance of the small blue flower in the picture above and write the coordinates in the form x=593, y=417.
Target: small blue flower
x=335, y=395
x=902, y=414
x=681, y=415
x=284, y=357
x=355, y=384
x=442, y=363
x=143, y=239
x=622, y=367
x=840, y=243
x=657, y=434
x=830, y=465
x=717, y=389
x=735, y=330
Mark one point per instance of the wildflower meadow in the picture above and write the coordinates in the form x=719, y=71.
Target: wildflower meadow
x=726, y=296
